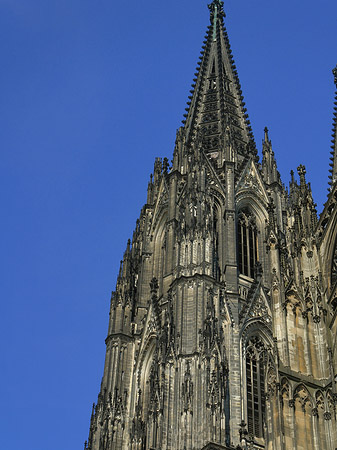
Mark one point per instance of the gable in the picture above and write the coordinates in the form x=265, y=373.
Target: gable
x=250, y=182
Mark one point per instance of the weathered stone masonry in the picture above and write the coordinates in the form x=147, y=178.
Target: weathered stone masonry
x=223, y=323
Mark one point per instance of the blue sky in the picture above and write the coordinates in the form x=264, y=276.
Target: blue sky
x=90, y=93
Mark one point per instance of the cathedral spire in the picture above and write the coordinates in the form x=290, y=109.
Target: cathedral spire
x=333, y=159
x=216, y=107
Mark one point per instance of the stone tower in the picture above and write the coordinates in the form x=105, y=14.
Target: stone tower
x=223, y=324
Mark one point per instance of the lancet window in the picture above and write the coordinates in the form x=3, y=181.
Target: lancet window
x=247, y=243
x=256, y=360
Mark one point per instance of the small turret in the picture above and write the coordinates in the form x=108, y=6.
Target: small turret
x=150, y=191
x=303, y=206
x=157, y=171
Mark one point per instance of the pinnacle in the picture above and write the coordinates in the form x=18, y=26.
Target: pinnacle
x=266, y=136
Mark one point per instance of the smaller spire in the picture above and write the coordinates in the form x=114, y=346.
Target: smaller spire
x=266, y=136
x=292, y=177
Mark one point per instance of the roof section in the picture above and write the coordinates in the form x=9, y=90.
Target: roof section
x=333, y=159
x=216, y=103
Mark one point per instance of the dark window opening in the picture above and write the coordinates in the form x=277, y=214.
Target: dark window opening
x=255, y=377
x=247, y=244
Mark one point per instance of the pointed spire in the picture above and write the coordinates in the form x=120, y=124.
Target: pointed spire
x=333, y=159
x=269, y=166
x=216, y=100
x=266, y=137
x=292, y=175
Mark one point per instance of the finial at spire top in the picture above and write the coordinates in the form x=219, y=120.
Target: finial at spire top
x=301, y=171
x=216, y=7
x=266, y=136
x=334, y=71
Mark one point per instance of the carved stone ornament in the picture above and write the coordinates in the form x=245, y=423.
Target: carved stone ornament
x=327, y=415
x=250, y=181
x=314, y=412
x=187, y=389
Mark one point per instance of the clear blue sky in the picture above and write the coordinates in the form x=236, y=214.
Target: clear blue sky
x=90, y=93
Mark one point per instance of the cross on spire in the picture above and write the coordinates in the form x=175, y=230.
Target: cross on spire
x=216, y=7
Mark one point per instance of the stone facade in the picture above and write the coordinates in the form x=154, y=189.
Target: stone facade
x=223, y=324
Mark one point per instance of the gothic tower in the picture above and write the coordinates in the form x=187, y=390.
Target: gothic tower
x=223, y=324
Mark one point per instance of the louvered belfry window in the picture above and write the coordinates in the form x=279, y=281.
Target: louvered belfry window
x=247, y=244
x=255, y=377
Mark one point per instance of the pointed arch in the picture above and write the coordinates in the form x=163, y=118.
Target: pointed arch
x=318, y=413
x=257, y=347
x=331, y=416
x=217, y=246
x=250, y=224
x=145, y=366
x=248, y=254
x=256, y=205
x=255, y=362
x=257, y=326
x=303, y=404
x=159, y=247
x=286, y=394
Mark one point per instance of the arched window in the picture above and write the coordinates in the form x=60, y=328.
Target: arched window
x=255, y=377
x=247, y=243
